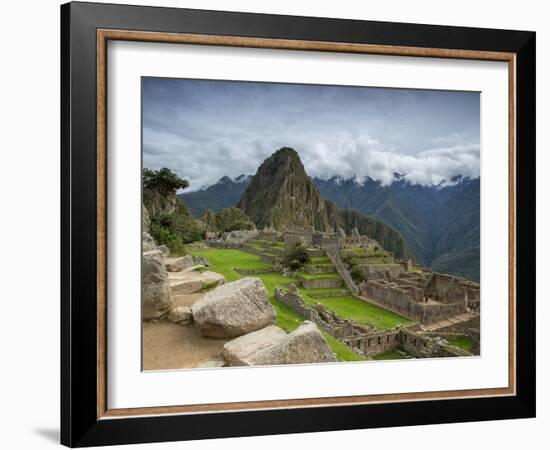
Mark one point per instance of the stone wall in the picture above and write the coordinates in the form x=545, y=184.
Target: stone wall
x=463, y=327
x=312, y=270
x=291, y=239
x=318, y=314
x=394, y=270
x=222, y=244
x=268, y=259
x=425, y=346
x=445, y=288
x=407, y=301
x=247, y=272
x=417, y=345
x=342, y=293
x=376, y=343
x=334, y=256
x=406, y=264
x=381, y=260
x=365, y=340
x=321, y=283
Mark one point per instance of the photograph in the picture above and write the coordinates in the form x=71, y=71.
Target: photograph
x=281, y=222
x=307, y=224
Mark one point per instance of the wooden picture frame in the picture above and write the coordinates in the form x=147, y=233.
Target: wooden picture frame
x=85, y=416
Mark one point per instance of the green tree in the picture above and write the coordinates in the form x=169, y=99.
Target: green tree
x=357, y=274
x=164, y=181
x=171, y=224
x=295, y=257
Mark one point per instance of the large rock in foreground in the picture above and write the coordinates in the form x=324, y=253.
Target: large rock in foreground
x=189, y=281
x=180, y=315
x=179, y=264
x=304, y=345
x=236, y=351
x=234, y=309
x=156, y=299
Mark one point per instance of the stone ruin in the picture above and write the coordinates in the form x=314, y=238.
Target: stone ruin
x=365, y=340
x=427, y=297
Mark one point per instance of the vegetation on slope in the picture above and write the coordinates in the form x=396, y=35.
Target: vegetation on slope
x=170, y=222
x=441, y=224
x=228, y=219
x=463, y=342
x=223, y=194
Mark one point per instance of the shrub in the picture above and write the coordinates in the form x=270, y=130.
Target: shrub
x=295, y=257
x=164, y=236
x=184, y=226
x=357, y=274
x=347, y=259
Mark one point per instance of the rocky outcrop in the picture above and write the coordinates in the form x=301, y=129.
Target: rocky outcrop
x=200, y=260
x=234, y=309
x=147, y=242
x=156, y=299
x=145, y=219
x=159, y=204
x=238, y=236
x=236, y=352
x=180, y=315
x=304, y=345
x=189, y=281
x=179, y=264
x=164, y=250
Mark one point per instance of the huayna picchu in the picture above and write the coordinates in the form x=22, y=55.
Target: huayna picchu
x=281, y=196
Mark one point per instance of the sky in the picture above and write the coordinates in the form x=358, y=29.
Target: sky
x=205, y=129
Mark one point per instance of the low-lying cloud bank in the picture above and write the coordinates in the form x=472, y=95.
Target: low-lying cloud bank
x=204, y=130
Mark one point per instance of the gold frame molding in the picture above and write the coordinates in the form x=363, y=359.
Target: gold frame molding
x=105, y=35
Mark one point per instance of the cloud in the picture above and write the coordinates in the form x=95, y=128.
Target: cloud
x=204, y=130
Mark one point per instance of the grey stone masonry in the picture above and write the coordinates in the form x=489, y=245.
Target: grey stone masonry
x=334, y=257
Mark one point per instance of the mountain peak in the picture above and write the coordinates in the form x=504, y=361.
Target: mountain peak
x=286, y=152
x=224, y=179
x=281, y=195
x=284, y=159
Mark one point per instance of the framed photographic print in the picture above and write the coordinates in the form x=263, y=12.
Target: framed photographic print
x=276, y=224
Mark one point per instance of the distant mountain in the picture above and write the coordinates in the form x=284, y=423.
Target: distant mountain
x=439, y=223
x=281, y=195
x=223, y=194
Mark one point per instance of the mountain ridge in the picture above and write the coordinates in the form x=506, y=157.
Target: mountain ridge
x=440, y=223
x=282, y=196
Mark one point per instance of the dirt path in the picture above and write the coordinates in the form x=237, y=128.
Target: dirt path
x=168, y=346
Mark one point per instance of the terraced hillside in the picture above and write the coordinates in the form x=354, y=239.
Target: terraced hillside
x=318, y=282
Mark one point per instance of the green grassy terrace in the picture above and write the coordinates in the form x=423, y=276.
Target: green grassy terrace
x=320, y=260
x=392, y=354
x=351, y=308
x=224, y=261
x=330, y=292
x=381, y=264
x=463, y=342
x=318, y=276
x=365, y=252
